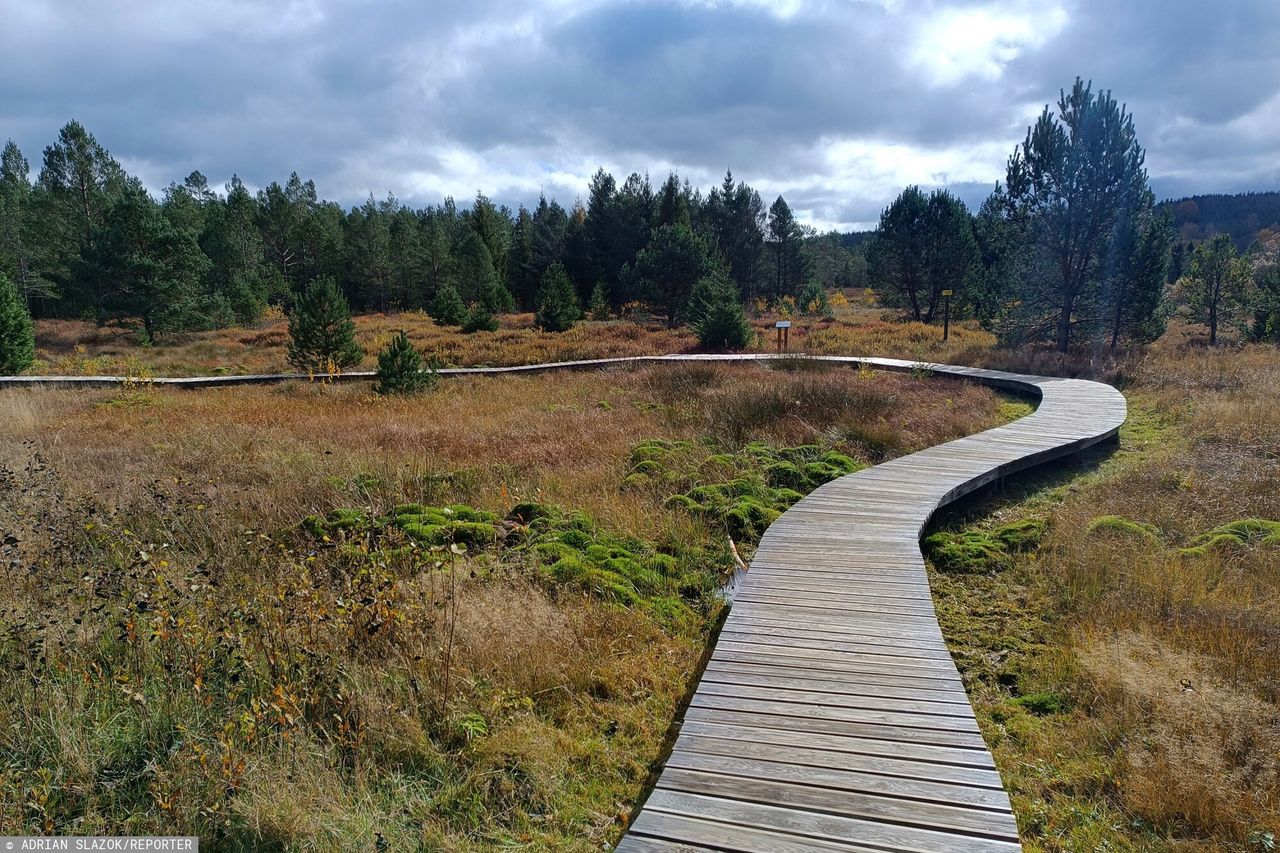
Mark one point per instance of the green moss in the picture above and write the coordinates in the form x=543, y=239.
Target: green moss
x=747, y=518
x=744, y=491
x=636, y=481
x=785, y=498
x=346, y=519
x=1118, y=525
x=462, y=512
x=1021, y=536
x=785, y=475
x=1236, y=534
x=969, y=551
x=1012, y=410
x=314, y=525
x=687, y=503
x=338, y=519
x=528, y=512
x=1042, y=704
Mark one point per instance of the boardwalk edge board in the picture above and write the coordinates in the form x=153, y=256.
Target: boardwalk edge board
x=830, y=716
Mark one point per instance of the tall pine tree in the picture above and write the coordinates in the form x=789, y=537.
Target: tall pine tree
x=20, y=238
x=1074, y=179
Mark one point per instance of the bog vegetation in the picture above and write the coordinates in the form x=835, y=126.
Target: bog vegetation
x=311, y=616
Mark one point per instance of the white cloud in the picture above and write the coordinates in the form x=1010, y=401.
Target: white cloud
x=956, y=44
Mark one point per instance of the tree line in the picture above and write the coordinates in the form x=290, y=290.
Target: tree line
x=84, y=239
x=1070, y=248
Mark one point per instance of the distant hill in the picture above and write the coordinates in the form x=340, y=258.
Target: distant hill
x=1200, y=217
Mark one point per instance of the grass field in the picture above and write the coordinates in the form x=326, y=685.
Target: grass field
x=222, y=619
x=79, y=348
x=1124, y=670
x=1122, y=665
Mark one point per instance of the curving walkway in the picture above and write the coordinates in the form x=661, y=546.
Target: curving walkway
x=830, y=715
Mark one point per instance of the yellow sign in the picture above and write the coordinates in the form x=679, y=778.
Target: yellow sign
x=948, y=293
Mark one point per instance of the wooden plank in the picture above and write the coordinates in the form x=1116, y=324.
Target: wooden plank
x=718, y=739
x=881, y=835
x=905, y=787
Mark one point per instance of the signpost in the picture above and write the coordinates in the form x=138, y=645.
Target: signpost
x=946, y=314
x=783, y=334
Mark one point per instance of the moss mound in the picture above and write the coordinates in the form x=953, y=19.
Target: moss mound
x=454, y=524
x=571, y=550
x=1021, y=536
x=567, y=549
x=1042, y=704
x=1243, y=533
x=969, y=551
x=984, y=551
x=742, y=492
x=1119, y=526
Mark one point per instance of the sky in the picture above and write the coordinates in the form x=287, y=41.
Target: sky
x=834, y=104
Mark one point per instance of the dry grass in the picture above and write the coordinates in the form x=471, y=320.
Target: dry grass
x=178, y=657
x=1164, y=661
x=79, y=348
x=66, y=347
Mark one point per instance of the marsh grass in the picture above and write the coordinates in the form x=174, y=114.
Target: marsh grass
x=178, y=654
x=1160, y=653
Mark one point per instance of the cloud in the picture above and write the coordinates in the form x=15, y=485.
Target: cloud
x=980, y=41
x=835, y=104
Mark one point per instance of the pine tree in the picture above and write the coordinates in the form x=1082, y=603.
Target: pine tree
x=673, y=206
x=17, y=337
x=477, y=279
x=736, y=217
x=1136, y=293
x=813, y=299
x=20, y=240
x=368, y=242
x=447, y=308
x=323, y=336
x=557, y=301
x=599, y=307
x=923, y=246
x=1216, y=289
x=786, y=238
x=668, y=268
x=479, y=319
x=1073, y=181
x=716, y=315
x=136, y=264
x=402, y=370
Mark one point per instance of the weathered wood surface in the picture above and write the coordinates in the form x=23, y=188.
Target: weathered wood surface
x=830, y=715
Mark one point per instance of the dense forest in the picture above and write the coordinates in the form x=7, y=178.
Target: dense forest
x=1244, y=217
x=85, y=239
x=1071, y=249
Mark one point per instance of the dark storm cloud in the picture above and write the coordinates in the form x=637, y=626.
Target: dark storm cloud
x=834, y=103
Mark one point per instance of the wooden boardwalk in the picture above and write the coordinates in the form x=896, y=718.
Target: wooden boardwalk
x=830, y=715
